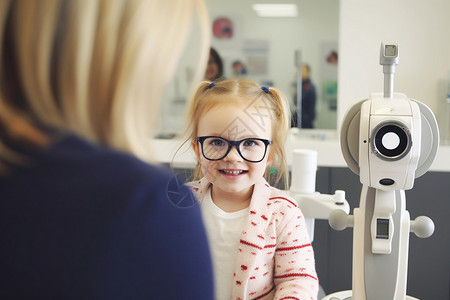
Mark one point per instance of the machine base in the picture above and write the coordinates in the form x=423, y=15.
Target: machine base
x=347, y=295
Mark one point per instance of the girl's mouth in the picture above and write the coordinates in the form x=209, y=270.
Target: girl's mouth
x=233, y=172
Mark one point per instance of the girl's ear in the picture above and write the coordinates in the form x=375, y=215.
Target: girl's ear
x=196, y=149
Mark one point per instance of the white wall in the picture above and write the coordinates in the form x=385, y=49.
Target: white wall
x=421, y=28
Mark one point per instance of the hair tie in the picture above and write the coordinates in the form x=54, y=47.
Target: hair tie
x=265, y=89
x=213, y=84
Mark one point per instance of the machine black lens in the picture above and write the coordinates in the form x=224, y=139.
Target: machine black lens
x=391, y=141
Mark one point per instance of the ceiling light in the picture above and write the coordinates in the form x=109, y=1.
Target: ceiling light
x=275, y=10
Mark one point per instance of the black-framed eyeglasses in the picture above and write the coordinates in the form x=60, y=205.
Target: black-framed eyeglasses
x=250, y=149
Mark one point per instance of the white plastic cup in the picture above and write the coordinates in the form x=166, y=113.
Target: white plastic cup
x=304, y=168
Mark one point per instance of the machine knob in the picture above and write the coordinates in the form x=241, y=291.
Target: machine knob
x=339, y=220
x=339, y=197
x=422, y=226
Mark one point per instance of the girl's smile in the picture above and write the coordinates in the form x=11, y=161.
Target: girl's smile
x=232, y=173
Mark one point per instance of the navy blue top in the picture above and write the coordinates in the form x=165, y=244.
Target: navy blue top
x=86, y=222
x=308, y=103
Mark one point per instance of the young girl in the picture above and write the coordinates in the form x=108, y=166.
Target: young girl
x=257, y=234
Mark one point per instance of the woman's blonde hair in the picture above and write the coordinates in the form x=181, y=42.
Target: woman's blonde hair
x=94, y=67
x=234, y=91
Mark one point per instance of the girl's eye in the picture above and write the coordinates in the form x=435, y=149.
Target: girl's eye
x=250, y=143
x=217, y=142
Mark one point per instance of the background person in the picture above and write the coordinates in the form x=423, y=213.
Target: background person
x=308, y=100
x=81, y=217
x=214, y=69
x=239, y=68
x=333, y=58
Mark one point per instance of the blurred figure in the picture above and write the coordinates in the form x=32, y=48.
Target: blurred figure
x=239, y=69
x=332, y=58
x=81, y=217
x=308, y=100
x=214, y=69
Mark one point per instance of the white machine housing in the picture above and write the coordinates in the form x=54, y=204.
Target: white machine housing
x=389, y=142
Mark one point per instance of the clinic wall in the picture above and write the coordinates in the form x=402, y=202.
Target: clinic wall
x=421, y=30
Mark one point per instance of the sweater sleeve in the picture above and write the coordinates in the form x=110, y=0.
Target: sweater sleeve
x=295, y=274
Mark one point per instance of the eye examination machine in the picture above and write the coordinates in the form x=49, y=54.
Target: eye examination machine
x=388, y=140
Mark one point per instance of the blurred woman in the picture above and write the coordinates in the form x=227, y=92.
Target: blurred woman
x=81, y=216
x=214, y=69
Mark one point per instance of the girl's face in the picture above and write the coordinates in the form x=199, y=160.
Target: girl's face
x=233, y=174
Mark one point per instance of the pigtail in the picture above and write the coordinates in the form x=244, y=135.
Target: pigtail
x=284, y=109
x=195, y=99
x=190, y=132
x=278, y=171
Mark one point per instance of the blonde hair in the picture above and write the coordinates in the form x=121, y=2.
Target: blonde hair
x=94, y=67
x=233, y=92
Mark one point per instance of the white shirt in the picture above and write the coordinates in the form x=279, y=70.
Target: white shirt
x=224, y=231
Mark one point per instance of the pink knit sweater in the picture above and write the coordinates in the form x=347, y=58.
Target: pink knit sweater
x=275, y=258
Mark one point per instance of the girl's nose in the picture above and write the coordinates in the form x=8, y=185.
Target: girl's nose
x=233, y=155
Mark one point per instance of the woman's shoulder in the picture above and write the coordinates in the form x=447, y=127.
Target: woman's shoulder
x=103, y=164
x=115, y=175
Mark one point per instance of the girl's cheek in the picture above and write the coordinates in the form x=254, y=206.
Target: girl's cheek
x=209, y=170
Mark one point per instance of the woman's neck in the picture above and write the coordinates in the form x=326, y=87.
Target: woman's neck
x=231, y=201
